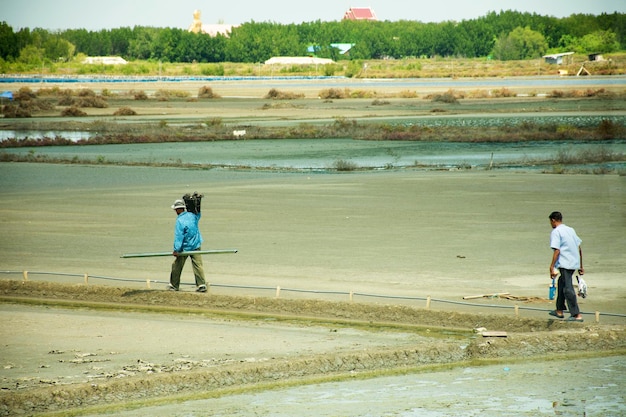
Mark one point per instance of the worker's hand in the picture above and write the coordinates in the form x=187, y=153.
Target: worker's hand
x=175, y=253
x=553, y=273
x=581, y=271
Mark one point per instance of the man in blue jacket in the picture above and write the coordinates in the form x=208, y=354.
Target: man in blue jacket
x=187, y=238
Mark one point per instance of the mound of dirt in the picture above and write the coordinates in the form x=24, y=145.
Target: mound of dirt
x=387, y=314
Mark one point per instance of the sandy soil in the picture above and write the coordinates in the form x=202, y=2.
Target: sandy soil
x=402, y=233
x=405, y=233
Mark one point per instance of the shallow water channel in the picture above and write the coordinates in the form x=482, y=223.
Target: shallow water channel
x=323, y=154
x=513, y=389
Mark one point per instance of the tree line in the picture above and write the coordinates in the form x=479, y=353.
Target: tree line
x=504, y=35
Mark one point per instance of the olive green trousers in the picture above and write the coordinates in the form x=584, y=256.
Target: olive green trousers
x=177, y=269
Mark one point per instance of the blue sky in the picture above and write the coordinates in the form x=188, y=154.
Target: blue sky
x=107, y=14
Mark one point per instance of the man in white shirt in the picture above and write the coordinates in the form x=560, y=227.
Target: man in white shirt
x=567, y=257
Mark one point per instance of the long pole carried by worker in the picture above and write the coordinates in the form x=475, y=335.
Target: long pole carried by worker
x=193, y=252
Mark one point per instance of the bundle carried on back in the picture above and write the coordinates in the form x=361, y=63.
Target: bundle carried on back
x=192, y=202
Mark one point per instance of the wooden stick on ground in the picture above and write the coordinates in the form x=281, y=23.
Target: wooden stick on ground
x=471, y=297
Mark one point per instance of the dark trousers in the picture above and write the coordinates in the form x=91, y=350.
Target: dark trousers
x=566, y=293
x=177, y=269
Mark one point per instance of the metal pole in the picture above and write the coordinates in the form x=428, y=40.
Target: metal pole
x=193, y=252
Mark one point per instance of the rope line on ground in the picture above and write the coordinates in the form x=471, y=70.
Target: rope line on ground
x=278, y=290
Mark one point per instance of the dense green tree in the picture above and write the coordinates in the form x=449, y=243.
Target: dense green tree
x=81, y=39
x=578, y=25
x=120, y=40
x=521, y=43
x=615, y=22
x=9, y=48
x=165, y=45
x=479, y=37
x=58, y=49
x=601, y=41
x=257, y=42
x=32, y=55
x=508, y=34
x=140, y=46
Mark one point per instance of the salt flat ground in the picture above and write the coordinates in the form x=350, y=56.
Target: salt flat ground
x=409, y=233
x=400, y=233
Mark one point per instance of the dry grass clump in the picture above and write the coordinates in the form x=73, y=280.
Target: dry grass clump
x=24, y=94
x=334, y=93
x=84, y=98
x=407, y=94
x=215, y=122
x=449, y=97
x=66, y=100
x=343, y=165
x=275, y=94
x=25, y=103
x=49, y=92
x=379, y=102
x=479, y=94
x=590, y=92
x=600, y=154
x=138, y=95
x=165, y=95
x=125, y=111
x=15, y=112
x=207, y=92
x=608, y=129
x=363, y=94
x=503, y=92
x=98, y=102
x=73, y=111
x=86, y=92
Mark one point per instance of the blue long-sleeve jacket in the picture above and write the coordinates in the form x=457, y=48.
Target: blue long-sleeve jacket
x=187, y=236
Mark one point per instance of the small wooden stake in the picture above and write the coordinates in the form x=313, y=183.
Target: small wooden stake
x=86, y=279
x=428, y=303
x=516, y=310
x=597, y=317
x=278, y=291
x=25, y=275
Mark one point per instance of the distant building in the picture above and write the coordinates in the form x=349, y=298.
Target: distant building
x=558, y=59
x=212, y=30
x=595, y=57
x=360, y=13
x=105, y=60
x=298, y=60
x=344, y=48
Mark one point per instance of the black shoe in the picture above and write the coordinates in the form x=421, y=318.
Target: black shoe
x=201, y=288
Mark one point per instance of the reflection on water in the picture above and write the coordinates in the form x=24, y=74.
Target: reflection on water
x=74, y=136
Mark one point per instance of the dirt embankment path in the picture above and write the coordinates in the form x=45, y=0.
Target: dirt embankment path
x=90, y=346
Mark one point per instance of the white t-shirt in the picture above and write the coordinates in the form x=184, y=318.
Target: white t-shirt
x=565, y=239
